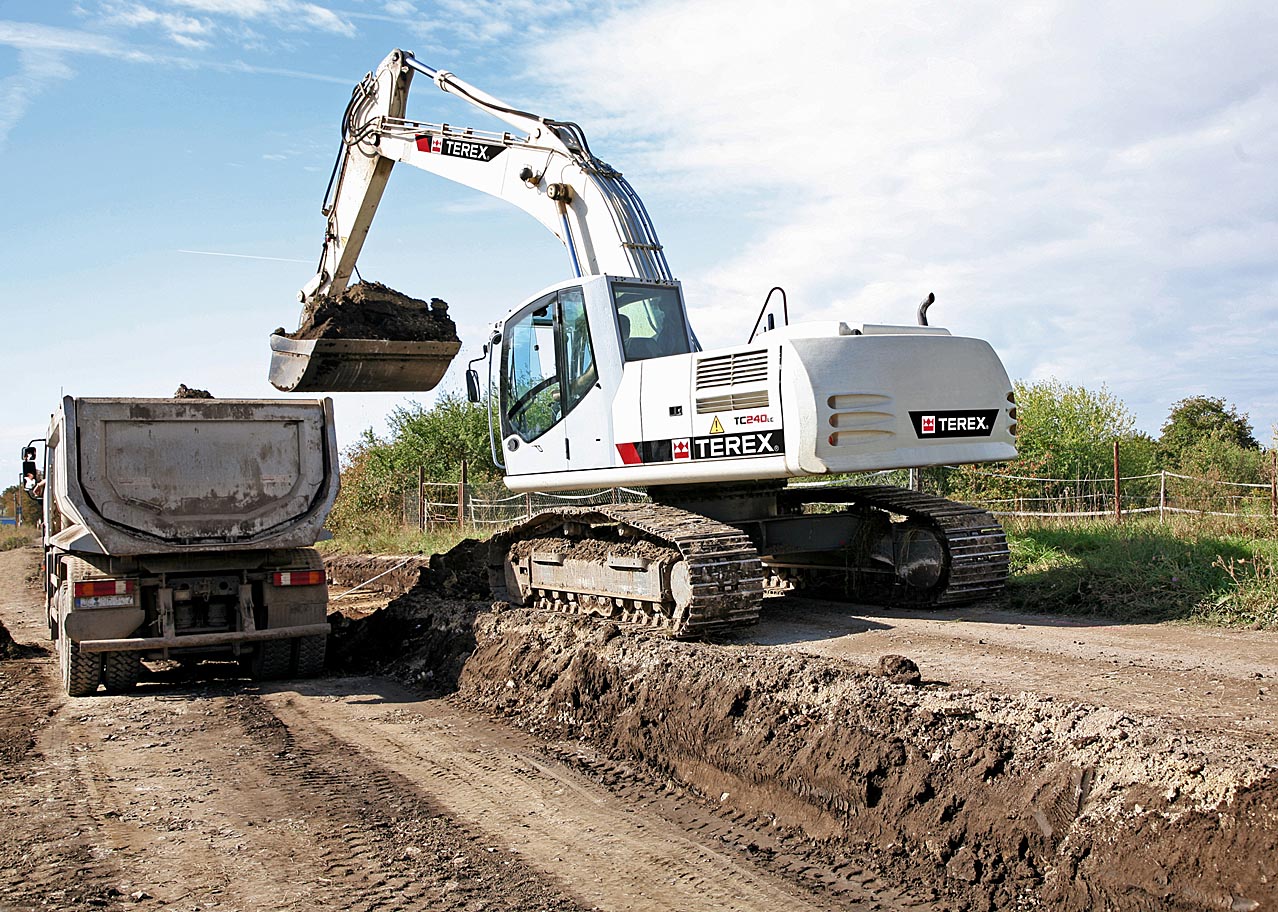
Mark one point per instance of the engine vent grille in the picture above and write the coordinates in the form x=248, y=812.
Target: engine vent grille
x=732, y=402
x=859, y=418
x=729, y=370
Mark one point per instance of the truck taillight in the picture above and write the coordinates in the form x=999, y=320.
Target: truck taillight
x=90, y=588
x=299, y=578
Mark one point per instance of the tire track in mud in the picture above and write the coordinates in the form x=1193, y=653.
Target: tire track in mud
x=776, y=849
x=599, y=828
x=50, y=845
x=382, y=844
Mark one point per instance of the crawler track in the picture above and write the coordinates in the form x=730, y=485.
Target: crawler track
x=973, y=541
x=722, y=572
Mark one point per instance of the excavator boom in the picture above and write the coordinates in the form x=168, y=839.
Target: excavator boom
x=545, y=168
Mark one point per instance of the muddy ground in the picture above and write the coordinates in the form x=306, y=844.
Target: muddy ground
x=1066, y=764
x=371, y=310
x=461, y=755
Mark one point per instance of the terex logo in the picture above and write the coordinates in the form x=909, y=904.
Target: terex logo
x=954, y=423
x=443, y=145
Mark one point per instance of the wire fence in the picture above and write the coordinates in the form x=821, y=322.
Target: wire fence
x=491, y=505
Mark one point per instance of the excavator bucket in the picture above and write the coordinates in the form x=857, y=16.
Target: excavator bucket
x=358, y=365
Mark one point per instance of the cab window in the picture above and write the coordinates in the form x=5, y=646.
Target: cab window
x=548, y=363
x=580, y=373
x=650, y=321
x=530, y=371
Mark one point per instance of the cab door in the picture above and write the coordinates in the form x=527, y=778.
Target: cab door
x=549, y=388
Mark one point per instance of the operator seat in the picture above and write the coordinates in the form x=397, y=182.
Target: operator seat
x=636, y=349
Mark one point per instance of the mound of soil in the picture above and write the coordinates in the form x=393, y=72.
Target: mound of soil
x=994, y=801
x=12, y=649
x=186, y=392
x=983, y=800
x=371, y=310
x=424, y=633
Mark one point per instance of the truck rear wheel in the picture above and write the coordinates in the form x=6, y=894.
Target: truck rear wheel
x=271, y=660
x=121, y=671
x=310, y=656
x=81, y=671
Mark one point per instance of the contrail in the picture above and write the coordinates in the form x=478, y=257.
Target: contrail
x=244, y=256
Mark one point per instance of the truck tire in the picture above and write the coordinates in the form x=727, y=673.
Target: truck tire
x=271, y=660
x=81, y=672
x=121, y=671
x=310, y=656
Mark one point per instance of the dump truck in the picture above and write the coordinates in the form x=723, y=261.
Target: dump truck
x=183, y=529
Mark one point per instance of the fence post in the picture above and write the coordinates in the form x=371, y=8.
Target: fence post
x=461, y=497
x=1162, y=493
x=1118, y=494
x=1273, y=486
x=421, y=498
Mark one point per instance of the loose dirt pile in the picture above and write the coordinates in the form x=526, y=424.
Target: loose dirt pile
x=429, y=617
x=985, y=800
x=371, y=310
x=11, y=649
x=186, y=392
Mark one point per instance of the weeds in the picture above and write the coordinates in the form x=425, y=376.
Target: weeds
x=398, y=541
x=14, y=540
x=1141, y=570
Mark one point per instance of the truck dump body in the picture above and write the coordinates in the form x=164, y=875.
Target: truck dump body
x=182, y=528
x=158, y=475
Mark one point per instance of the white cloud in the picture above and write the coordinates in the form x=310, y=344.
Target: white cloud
x=1076, y=183
x=185, y=31
x=288, y=14
x=37, y=69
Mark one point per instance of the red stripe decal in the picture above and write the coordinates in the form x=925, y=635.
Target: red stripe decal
x=629, y=453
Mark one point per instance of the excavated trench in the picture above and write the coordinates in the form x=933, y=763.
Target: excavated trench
x=984, y=800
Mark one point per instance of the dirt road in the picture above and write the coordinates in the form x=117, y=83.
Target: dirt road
x=1223, y=681
x=353, y=793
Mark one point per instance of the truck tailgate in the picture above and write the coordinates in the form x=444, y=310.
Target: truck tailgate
x=191, y=470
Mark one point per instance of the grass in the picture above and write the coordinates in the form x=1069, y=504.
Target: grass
x=398, y=541
x=1196, y=570
x=11, y=540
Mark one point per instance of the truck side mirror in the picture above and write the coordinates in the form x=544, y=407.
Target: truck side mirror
x=472, y=385
x=29, y=469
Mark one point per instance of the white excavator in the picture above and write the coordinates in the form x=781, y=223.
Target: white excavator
x=600, y=382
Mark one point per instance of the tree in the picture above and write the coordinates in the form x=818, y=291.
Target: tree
x=1197, y=418
x=15, y=497
x=1068, y=431
x=1064, y=432
x=376, y=473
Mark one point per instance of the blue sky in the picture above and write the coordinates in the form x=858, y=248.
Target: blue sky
x=1093, y=188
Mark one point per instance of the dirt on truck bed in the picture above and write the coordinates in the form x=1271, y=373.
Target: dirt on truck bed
x=371, y=310
x=471, y=756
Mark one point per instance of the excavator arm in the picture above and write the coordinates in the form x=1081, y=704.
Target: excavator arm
x=543, y=166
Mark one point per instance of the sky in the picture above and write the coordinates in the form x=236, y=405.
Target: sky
x=1092, y=187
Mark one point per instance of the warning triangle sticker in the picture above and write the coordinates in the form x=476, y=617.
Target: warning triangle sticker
x=716, y=428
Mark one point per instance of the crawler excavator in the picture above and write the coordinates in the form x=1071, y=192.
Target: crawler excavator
x=600, y=382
